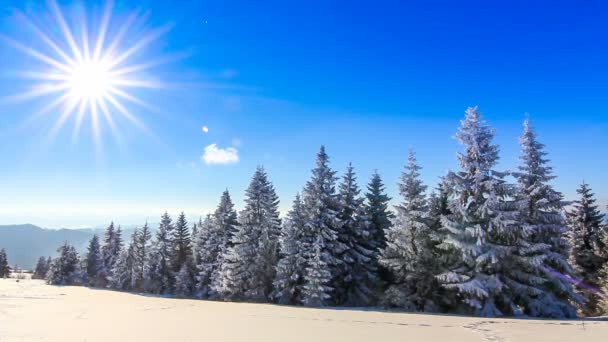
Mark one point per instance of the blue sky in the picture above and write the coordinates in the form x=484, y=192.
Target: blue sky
x=274, y=81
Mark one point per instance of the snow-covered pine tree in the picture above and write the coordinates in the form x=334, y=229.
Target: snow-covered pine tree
x=481, y=224
x=446, y=256
x=543, y=254
x=94, y=263
x=225, y=219
x=409, y=252
x=208, y=249
x=194, y=234
x=249, y=263
x=587, y=238
x=5, y=269
x=315, y=292
x=159, y=276
x=356, y=283
x=183, y=281
x=141, y=254
x=196, y=227
x=293, y=253
x=321, y=207
x=41, y=268
x=377, y=210
x=65, y=269
x=122, y=273
x=380, y=216
x=110, y=250
x=107, y=252
x=182, y=244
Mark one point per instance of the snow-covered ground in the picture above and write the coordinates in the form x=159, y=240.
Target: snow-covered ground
x=33, y=311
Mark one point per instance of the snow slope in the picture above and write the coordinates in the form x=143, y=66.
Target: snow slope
x=33, y=311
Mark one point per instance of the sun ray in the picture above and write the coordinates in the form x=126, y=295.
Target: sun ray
x=79, y=118
x=86, y=51
x=131, y=98
x=141, y=44
x=138, y=83
x=37, y=91
x=95, y=124
x=113, y=127
x=148, y=65
x=43, y=76
x=36, y=54
x=126, y=113
x=45, y=38
x=48, y=108
x=68, y=109
x=65, y=29
x=103, y=29
x=124, y=28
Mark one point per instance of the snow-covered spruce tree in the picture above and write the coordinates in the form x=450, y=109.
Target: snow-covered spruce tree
x=315, y=292
x=248, y=267
x=183, y=281
x=194, y=234
x=208, y=248
x=122, y=273
x=110, y=251
x=481, y=226
x=377, y=210
x=141, y=252
x=293, y=255
x=5, y=269
x=42, y=267
x=65, y=269
x=321, y=207
x=159, y=276
x=588, y=254
x=380, y=216
x=357, y=280
x=446, y=256
x=94, y=263
x=541, y=267
x=225, y=219
x=182, y=244
x=409, y=252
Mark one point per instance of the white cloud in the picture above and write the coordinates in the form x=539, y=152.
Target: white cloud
x=214, y=155
x=205, y=129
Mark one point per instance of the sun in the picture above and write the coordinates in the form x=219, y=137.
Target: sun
x=89, y=81
x=89, y=73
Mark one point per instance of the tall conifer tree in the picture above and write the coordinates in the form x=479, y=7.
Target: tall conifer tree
x=588, y=254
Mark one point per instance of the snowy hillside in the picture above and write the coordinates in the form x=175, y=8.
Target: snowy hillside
x=32, y=311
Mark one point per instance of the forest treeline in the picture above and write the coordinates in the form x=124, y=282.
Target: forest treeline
x=484, y=242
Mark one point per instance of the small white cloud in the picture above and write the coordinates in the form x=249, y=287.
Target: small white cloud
x=214, y=155
x=205, y=129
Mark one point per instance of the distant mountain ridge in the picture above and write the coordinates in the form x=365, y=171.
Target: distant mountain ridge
x=25, y=243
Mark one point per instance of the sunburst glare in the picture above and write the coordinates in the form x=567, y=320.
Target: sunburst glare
x=87, y=76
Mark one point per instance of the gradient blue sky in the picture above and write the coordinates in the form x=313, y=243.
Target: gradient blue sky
x=277, y=79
